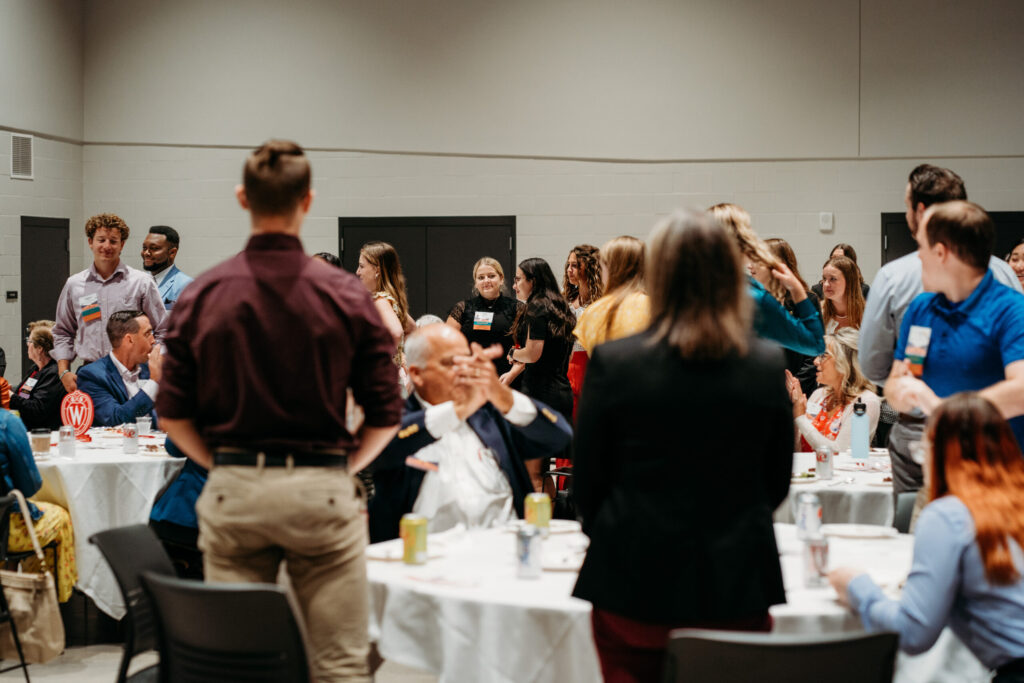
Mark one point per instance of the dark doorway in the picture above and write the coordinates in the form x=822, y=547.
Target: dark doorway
x=897, y=241
x=44, y=269
x=437, y=253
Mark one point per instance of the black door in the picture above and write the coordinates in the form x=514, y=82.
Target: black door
x=437, y=253
x=897, y=241
x=44, y=269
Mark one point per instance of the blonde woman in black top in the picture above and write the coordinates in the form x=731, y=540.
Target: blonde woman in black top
x=486, y=317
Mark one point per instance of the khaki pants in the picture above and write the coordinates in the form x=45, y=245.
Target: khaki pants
x=252, y=519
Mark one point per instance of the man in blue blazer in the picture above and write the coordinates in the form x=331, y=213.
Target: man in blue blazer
x=123, y=384
x=459, y=454
x=159, y=250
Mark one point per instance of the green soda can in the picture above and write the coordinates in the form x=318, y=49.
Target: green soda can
x=538, y=512
x=413, y=530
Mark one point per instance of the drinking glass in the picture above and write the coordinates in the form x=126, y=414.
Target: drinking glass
x=131, y=437
x=40, y=441
x=144, y=424
x=66, y=441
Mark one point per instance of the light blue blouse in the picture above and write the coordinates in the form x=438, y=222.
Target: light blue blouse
x=947, y=587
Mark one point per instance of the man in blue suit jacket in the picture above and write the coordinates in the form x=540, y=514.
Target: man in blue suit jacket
x=123, y=384
x=159, y=250
x=460, y=412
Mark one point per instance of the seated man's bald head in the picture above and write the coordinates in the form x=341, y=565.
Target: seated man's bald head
x=420, y=344
x=430, y=354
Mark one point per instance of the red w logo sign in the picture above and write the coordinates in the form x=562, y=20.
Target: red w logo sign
x=76, y=410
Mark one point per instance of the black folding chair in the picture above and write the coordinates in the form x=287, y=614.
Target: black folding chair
x=904, y=511
x=6, y=503
x=226, y=632
x=130, y=551
x=739, y=657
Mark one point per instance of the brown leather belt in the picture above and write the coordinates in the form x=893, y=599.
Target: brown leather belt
x=277, y=457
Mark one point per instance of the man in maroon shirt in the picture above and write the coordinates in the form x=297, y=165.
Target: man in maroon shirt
x=260, y=352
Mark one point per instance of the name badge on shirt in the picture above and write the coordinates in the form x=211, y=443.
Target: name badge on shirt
x=90, y=304
x=917, y=348
x=482, y=320
x=26, y=388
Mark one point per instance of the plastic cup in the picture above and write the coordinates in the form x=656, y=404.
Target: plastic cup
x=40, y=441
x=66, y=441
x=144, y=424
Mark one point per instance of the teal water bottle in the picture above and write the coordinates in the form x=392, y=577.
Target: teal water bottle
x=860, y=432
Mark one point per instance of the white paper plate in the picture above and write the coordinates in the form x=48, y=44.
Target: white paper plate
x=558, y=526
x=392, y=551
x=562, y=562
x=859, y=531
x=803, y=480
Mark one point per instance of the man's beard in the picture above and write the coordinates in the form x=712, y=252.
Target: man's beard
x=157, y=267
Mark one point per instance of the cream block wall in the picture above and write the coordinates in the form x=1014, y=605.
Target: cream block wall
x=56, y=192
x=556, y=203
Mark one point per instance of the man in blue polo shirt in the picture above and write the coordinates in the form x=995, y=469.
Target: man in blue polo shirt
x=966, y=332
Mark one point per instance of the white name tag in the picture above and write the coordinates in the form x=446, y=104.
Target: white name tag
x=919, y=336
x=88, y=299
x=482, y=320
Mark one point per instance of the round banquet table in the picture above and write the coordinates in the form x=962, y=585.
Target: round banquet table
x=466, y=617
x=102, y=487
x=867, y=499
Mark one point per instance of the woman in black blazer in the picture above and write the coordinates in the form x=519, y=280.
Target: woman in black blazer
x=40, y=394
x=683, y=450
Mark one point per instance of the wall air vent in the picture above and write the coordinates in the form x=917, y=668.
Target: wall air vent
x=21, y=156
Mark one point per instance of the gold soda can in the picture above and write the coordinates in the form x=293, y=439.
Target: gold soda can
x=413, y=530
x=538, y=512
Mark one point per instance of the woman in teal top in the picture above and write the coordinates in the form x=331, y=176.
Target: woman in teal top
x=802, y=331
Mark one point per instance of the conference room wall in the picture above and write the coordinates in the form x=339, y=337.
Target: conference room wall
x=587, y=82
x=56, y=192
x=567, y=78
x=556, y=203
x=41, y=90
x=41, y=67
x=705, y=79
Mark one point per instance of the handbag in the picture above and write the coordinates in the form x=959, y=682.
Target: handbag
x=32, y=601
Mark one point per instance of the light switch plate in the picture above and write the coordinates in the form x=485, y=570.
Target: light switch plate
x=825, y=221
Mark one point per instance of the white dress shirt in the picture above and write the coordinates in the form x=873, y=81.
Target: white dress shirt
x=132, y=382
x=162, y=275
x=469, y=487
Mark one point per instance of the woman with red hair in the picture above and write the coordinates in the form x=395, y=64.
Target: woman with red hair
x=967, y=547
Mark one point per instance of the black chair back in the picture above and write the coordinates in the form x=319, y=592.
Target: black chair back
x=904, y=511
x=130, y=551
x=735, y=657
x=226, y=631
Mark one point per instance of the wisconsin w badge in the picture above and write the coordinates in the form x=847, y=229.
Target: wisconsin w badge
x=76, y=410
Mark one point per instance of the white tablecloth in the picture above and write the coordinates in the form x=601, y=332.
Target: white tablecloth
x=102, y=488
x=465, y=617
x=866, y=500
